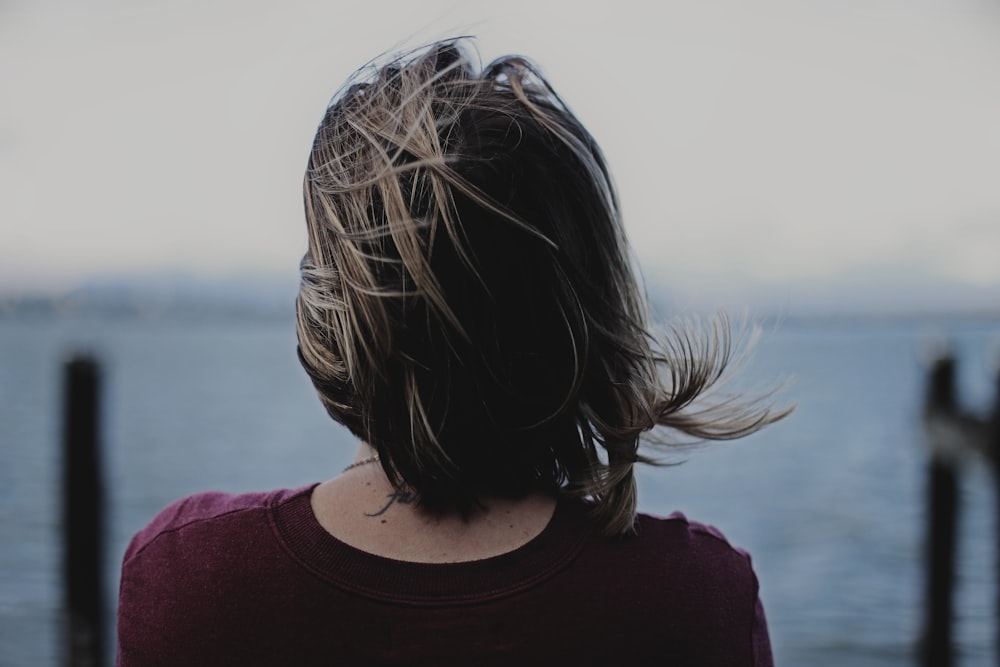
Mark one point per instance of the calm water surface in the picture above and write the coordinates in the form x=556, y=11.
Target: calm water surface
x=829, y=502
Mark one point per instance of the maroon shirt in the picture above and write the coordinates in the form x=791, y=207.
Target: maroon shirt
x=254, y=579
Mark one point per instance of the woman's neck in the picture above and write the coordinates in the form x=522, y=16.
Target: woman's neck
x=361, y=508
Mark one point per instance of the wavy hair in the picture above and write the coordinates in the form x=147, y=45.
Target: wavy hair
x=467, y=302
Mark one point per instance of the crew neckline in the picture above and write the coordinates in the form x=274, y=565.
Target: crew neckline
x=418, y=583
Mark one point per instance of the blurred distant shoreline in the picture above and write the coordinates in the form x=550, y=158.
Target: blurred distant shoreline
x=171, y=298
x=272, y=299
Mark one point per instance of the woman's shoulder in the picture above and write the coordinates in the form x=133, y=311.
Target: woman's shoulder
x=665, y=555
x=194, y=575
x=679, y=588
x=205, y=512
x=679, y=530
x=693, y=544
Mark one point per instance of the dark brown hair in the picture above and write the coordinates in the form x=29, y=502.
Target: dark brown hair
x=467, y=304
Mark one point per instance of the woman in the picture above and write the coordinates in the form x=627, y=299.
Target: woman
x=468, y=310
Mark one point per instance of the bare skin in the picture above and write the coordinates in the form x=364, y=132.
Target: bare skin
x=396, y=497
x=360, y=507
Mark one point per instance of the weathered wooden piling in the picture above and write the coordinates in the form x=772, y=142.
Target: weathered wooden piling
x=942, y=481
x=82, y=516
x=993, y=450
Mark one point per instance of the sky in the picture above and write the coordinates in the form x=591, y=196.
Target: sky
x=804, y=153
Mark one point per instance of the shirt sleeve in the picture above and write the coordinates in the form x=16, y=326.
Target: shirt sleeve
x=762, y=656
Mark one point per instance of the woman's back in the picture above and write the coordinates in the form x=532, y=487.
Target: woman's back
x=256, y=580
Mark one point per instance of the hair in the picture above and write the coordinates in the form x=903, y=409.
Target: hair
x=468, y=305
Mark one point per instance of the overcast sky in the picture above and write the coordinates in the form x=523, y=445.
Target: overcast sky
x=758, y=146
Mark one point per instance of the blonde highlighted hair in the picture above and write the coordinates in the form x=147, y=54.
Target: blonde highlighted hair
x=467, y=303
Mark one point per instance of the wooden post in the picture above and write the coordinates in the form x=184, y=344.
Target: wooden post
x=936, y=646
x=993, y=450
x=82, y=516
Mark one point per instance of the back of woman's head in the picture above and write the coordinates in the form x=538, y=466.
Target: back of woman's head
x=467, y=304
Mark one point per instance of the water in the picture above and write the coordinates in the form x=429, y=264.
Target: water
x=830, y=502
